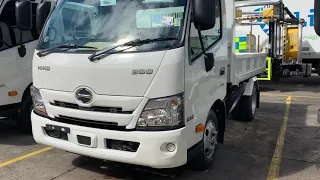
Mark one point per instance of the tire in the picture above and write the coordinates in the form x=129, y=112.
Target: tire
x=246, y=108
x=23, y=119
x=205, y=155
x=237, y=111
x=172, y=173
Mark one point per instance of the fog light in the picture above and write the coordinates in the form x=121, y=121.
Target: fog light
x=171, y=147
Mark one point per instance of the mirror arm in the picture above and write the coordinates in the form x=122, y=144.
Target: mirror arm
x=208, y=58
x=20, y=37
x=201, y=41
x=22, y=49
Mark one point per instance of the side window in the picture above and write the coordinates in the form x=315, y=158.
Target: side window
x=209, y=37
x=11, y=34
x=5, y=38
x=7, y=17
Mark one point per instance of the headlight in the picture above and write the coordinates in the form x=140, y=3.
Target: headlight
x=38, y=104
x=162, y=114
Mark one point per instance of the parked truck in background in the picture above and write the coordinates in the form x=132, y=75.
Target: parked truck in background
x=310, y=48
x=310, y=40
x=316, y=6
x=149, y=83
x=16, y=53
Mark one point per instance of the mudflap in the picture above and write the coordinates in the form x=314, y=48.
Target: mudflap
x=234, y=97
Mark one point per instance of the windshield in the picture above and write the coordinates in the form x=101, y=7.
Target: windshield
x=107, y=23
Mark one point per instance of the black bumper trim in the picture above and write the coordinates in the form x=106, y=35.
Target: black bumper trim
x=9, y=110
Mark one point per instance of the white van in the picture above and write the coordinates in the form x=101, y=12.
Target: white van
x=16, y=52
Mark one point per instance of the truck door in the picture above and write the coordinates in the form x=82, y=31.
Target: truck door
x=202, y=88
x=15, y=70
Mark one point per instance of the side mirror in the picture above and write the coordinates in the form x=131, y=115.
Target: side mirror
x=317, y=16
x=204, y=14
x=23, y=12
x=43, y=10
x=204, y=18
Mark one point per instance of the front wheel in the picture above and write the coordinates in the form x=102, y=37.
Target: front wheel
x=23, y=119
x=209, y=142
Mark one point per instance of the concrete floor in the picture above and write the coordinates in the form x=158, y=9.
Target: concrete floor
x=246, y=153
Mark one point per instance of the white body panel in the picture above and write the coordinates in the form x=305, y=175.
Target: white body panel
x=77, y=70
x=246, y=65
x=203, y=88
x=113, y=85
x=15, y=73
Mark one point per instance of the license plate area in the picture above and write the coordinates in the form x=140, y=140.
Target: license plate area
x=84, y=140
x=58, y=132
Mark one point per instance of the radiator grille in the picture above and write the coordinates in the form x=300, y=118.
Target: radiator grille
x=93, y=108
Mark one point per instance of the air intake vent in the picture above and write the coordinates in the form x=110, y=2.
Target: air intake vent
x=94, y=108
x=90, y=123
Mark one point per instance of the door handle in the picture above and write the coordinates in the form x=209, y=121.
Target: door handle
x=222, y=71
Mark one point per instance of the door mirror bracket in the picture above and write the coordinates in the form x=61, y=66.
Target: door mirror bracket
x=208, y=57
x=209, y=61
x=22, y=50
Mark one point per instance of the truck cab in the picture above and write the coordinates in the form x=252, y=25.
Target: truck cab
x=16, y=53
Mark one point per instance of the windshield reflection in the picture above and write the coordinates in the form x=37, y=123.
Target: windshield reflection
x=108, y=23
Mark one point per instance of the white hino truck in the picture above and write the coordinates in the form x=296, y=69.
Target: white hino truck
x=16, y=53
x=143, y=82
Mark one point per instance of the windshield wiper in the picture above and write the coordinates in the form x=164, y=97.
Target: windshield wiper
x=68, y=46
x=133, y=43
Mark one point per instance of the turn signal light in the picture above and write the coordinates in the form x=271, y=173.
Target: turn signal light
x=12, y=93
x=200, y=128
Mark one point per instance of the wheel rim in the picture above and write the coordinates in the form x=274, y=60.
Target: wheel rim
x=254, y=101
x=210, y=139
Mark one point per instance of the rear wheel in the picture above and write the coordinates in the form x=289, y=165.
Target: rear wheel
x=205, y=156
x=250, y=105
x=246, y=107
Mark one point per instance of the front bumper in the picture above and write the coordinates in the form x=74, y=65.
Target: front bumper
x=152, y=151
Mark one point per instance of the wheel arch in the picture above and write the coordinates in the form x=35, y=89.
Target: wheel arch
x=249, y=86
x=219, y=108
x=26, y=93
x=253, y=82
